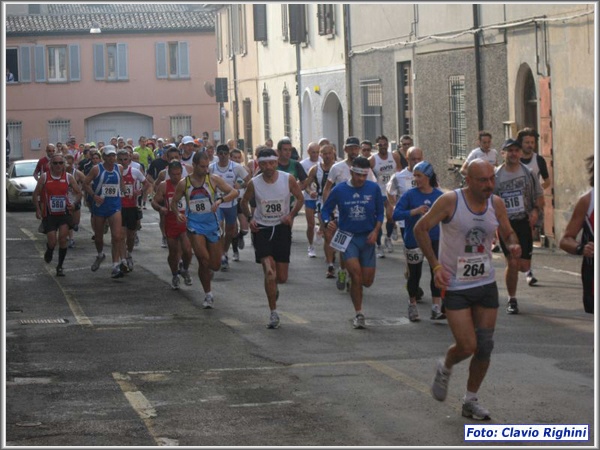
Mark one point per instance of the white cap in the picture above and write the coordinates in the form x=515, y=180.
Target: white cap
x=187, y=140
x=109, y=150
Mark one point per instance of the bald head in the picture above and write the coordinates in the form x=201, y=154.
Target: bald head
x=414, y=155
x=479, y=168
x=313, y=151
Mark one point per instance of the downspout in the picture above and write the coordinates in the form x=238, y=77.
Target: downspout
x=478, y=68
x=347, y=48
x=236, y=109
x=299, y=95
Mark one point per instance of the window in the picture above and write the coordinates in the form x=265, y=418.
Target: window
x=12, y=64
x=287, y=113
x=266, y=112
x=58, y=130
x=14, y=134
x=298, y=31
x=260, y=22
x=371, y=95
x=404, y=76
x=457, y=113
x=181, y=125
x=247, y=117
x=57, y=63
x=237, y=30
x=110, y=62
x=172, y=60
x=326, y=19
x=52, y=63
x=219, y=35
x=284, y=23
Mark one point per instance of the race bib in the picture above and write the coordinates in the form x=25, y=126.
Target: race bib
x=413, y=255
x=58, y=204
x=110, y=190
x=472, y=268
x=200, y=206
x=513, y=201
x=128, y=190
x=340, y=240
x=273, y=209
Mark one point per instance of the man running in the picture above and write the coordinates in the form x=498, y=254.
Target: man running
x=271, y=225
x=310, y=204
x=469, y=219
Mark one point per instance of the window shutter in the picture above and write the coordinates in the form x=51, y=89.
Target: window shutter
x=321, y=14
x=74, y=65
x=99, y=62
x=260, y=22
x=122, y=67
x=40, y=63
x=297, y=19
x=161, y=60
x=184, y=60
x=25, y=63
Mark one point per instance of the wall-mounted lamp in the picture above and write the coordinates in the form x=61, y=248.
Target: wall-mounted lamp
x=317, y=90
x=95, y=28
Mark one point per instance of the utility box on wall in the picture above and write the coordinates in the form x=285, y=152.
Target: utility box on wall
x=36, y=144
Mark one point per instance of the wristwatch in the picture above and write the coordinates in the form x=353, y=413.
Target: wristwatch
x=579, y=250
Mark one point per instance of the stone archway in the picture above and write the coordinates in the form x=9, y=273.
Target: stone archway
x=333, y=122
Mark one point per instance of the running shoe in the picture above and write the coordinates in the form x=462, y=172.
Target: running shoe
x=59, y=272
x=123, y=267
x=236, y=256
x=187, y=279
x=208, y=301
x=341, y=280
x=330, y=272
x=175, y=282
x=387, y=242
x=413, y=313
x=241, y=243
x=48, y=255
x=136, y=241
x=512, y=307
x=71, y=243
x=97, y=262
x=474, y=410
x=359, y=322
x=164, y=242
x=531, y=280
x=311, y=252
x=380, y=253
x=439, y=387
x=318, y=236
x=273, y=321
x=130, y=263
x=224, y=263
x=437, y=315
x=116, y=272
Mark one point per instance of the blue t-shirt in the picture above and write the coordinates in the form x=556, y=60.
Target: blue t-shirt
x=411, y=199
x=359, y=208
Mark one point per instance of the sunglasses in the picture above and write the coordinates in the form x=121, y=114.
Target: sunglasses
x=58, y=163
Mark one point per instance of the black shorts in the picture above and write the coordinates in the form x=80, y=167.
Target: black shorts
x=486, y=296
x=53, y=223
x=273, y=241
x=129, y=218
x=523, y=231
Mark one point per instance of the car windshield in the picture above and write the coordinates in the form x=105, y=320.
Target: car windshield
x=24, y=169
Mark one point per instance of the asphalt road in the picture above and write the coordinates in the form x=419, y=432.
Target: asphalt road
x=136, y=364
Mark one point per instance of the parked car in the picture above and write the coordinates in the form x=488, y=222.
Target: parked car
x=20, y=183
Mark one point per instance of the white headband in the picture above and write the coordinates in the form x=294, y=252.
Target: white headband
x=268, y=158
x=360, y=170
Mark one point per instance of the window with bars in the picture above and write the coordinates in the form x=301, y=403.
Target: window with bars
x=181, y=125
x=287, y=113
x=457, y=117
x=266, y=113
x=58, y=130
x=284, y=23
x=14, y=134
x=371, y=95
x=326, y=19
x=247, y=117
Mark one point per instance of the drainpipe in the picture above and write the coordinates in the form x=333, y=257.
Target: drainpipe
x=299, y=95
x=236, y=109
x=478, y=68
x=347, y=48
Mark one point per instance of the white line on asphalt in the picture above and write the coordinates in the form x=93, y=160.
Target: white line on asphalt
x=293, y=317
x=254, y=405
x=552, y=269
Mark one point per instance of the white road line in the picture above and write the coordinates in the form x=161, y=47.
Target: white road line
x=255, y=405
x=552, y=269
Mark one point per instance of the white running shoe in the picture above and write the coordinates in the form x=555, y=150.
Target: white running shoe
x=208, y=301
x=311, y=252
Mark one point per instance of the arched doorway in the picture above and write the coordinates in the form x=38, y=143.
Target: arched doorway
x=526, y=99
x=307, y=122
x=333, y=122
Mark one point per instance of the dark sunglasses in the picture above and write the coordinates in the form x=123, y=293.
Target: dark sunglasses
x=58, y=163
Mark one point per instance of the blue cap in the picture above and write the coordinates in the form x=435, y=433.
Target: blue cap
x=425, y=168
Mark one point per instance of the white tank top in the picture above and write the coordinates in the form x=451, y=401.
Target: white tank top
x=272, y=199
x=533, y=165
x=465, y=245
x=384, y=169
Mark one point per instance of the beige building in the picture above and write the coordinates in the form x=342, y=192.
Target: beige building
x=97, y=71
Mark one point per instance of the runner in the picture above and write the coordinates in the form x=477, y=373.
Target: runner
x=271, y=225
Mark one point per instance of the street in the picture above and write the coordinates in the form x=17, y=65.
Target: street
x=93, y=361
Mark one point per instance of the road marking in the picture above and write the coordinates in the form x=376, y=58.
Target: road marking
x=232, y=322
x=552, y=269
x=74, y=305
x=293, y=317
x=254, y=405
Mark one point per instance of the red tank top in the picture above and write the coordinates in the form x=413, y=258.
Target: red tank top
x=127, y=199
x=170, y=219
x=56, y=194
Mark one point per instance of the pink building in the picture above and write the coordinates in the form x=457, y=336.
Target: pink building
x=97, y=71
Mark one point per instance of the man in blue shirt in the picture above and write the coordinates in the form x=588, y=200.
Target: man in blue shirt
x=360, y=205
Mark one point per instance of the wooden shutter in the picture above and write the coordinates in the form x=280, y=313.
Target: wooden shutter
x=161, y=60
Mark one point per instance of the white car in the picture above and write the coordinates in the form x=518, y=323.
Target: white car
x=20, y=183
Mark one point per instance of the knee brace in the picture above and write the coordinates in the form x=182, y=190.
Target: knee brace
x=485, y=343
